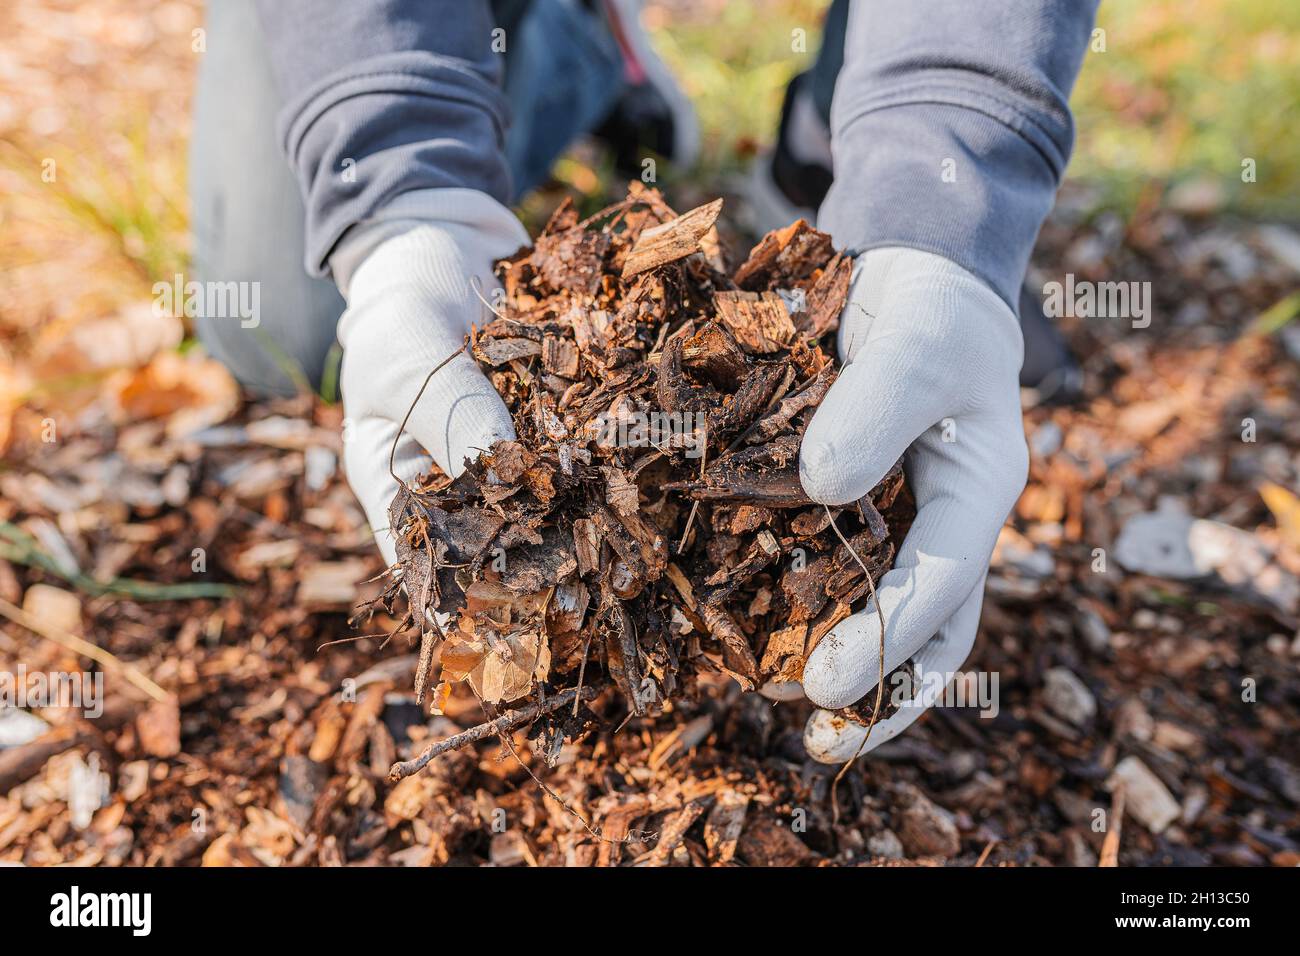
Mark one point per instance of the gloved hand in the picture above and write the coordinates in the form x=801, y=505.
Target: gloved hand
x=409, y=281
x=932, y=357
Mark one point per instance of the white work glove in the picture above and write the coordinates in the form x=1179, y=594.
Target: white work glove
x=409, y=279
x=932, y=357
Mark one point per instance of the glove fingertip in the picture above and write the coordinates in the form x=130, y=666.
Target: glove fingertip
x=780, y=692
x=843, y=666
x=832, y=739
x=475, y=431
x=817, y=473
x=849, y=446
x=460, y=420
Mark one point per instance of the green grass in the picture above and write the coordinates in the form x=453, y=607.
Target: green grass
x=735, y=67
x=1188, y=90
x=132, y=194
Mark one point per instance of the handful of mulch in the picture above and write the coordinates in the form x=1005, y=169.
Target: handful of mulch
x=648, y=524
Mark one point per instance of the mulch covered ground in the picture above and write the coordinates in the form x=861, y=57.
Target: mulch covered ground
x=232, y=735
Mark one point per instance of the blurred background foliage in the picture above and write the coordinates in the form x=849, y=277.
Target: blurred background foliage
x=1183, y=92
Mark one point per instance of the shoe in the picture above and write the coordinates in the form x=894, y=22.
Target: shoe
x=653, y=114
x=782, y=187
x=1050, y=369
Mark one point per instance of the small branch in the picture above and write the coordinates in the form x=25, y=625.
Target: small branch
x=506, y=722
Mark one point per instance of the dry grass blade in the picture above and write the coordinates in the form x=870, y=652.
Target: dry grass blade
x=880, y=683
x=102, y=657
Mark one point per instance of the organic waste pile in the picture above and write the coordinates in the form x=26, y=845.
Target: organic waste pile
x=648, y=524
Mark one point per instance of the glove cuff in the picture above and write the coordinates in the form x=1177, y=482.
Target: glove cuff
x=485, y=230
x=885, y=275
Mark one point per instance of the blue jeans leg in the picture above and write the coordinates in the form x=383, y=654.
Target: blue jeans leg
x=563, y=75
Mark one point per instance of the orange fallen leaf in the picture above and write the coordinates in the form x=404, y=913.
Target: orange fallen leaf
x=191, y=392
x=1286, y=511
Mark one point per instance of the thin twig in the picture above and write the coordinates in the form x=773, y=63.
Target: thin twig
x=880, y=683
x=695, y=505
x=476, y=285
x=582, y=671
x=508, y=721
x=542, y=707
x=392, y=452
x=541, y=784
x=351, y=640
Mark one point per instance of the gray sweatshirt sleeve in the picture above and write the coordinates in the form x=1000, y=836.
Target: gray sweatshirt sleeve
x=382, y=97
x=951, y=129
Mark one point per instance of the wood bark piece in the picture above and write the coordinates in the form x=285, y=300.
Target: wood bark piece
x=18, y=764
x=724, y=824
x=672, y=240
x=674, y=832
x=759, y=320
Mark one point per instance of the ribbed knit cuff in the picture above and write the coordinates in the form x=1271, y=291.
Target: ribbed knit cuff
x=947, y=179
